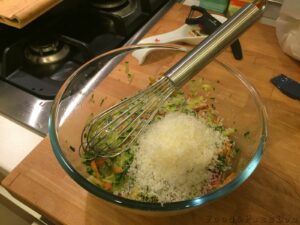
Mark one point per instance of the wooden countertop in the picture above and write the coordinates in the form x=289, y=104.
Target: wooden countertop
x=271, y=195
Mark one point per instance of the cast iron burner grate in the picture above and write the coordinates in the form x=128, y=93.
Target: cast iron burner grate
x=40, y=66
x=36, y=60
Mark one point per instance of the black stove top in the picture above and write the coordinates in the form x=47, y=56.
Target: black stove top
x=37, y=59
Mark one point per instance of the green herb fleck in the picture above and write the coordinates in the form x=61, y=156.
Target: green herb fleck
x=126, y=67
x=207, y=87
x=90, y=117
x=219, y=128
x=102, y=101
x=89, y=170
x=221, y=163
x=230, y=131
x=235, y=151
x=72, y=148
x=129, y=75
x=247, y=134
x=195, y=87
x=92, y=98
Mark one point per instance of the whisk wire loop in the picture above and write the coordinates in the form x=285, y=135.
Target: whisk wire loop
x=110, y=133
x=141, y=123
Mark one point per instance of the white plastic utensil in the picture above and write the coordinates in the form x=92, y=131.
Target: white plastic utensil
x=189, y=34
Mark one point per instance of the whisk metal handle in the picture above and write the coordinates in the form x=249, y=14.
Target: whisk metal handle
x=208, y=49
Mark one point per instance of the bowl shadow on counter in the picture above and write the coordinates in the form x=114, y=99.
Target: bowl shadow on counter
x=252, y=197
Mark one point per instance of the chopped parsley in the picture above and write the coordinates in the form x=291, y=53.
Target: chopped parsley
x=72, y=148
x=127, y=72
x=247, y=134
x=92, y=98
x=102, y=101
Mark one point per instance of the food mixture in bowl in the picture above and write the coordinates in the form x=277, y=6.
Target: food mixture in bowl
x=185, y=152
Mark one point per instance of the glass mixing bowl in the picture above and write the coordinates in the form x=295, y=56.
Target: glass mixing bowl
x=104, y=80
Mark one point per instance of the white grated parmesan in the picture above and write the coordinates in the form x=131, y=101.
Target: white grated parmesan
x=173, y=157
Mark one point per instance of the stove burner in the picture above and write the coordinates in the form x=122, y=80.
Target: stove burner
x=109, y=4
x=35, y=61
x=46, y=51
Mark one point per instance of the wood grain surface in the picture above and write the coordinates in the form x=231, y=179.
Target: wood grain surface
x=18, y=13
x=270, y=196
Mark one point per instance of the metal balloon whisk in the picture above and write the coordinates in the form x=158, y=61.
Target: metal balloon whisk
x=113, y=131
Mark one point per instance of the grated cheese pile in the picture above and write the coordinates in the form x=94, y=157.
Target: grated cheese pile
x=174, y=156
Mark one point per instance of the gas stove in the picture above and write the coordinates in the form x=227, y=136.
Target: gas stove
x=36, y=60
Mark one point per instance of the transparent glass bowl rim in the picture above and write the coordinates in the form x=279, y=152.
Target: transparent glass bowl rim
x=191, y=203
